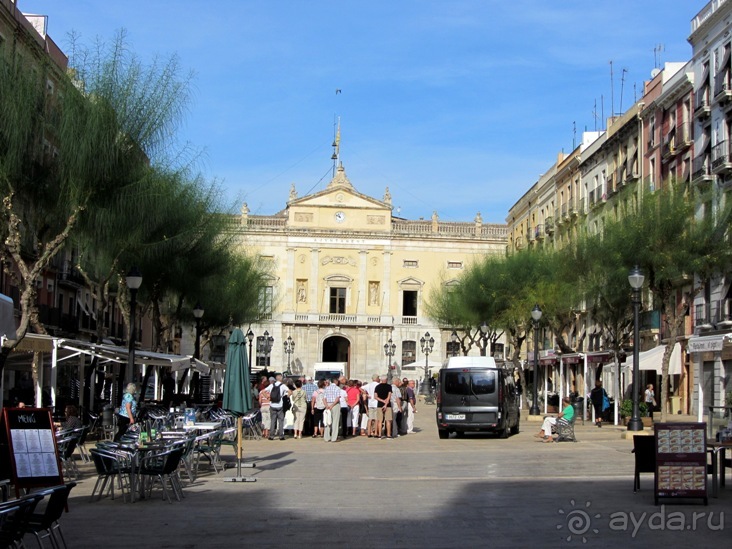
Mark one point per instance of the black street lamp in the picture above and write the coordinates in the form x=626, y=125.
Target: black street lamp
x=536, y=316
x=427, y=342
x=483, y=338
x=267, y=342
x=389, y=350
x=250, y=337
x=198, y=315
x=454, y=339
x=289, y=349
x=636, y=279
x=133, y=281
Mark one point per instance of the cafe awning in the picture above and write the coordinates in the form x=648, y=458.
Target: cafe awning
x=652, y=359
x=701, y=344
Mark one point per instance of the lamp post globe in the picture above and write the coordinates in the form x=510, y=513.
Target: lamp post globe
x=636, y=279
x=536, y=313
x=250, y=337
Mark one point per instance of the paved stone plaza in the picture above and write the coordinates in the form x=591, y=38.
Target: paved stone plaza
x=415, y=491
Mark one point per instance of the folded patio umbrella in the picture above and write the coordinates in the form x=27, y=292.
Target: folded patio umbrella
x=237, y=390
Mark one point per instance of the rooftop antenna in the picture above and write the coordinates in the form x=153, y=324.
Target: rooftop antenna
x=594, y=113
x=612, y=92
x=574, y=135
x=622, y=86
x=657, y=49
x=602, y=112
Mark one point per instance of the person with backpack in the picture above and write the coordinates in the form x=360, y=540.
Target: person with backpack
x=277, y=393
x=600, y=401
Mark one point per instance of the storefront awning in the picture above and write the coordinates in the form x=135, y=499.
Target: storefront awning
x=652, y=360
x=599, y=357
x=573, y=358
x=701, y=344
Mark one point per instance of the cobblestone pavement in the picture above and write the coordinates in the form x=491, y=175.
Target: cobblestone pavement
x=414, y=491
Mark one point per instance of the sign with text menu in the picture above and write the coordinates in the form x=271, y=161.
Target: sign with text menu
x=28, y=438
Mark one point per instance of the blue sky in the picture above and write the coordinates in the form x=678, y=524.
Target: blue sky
x=457, y=106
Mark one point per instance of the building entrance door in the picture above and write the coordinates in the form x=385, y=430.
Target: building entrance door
x=337, y=349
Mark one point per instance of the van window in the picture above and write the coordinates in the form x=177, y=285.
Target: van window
x=459, y=383
x=484, y=383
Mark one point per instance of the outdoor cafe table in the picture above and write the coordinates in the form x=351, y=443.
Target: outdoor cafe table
x=137, y=453
x=714, y=448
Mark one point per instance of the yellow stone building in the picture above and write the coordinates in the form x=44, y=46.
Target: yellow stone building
x=347, y=276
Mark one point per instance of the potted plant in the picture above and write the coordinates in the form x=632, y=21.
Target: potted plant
x=626, y=411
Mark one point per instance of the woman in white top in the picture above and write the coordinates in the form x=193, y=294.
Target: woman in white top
x=650, y=400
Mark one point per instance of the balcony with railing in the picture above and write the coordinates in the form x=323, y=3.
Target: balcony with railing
x=549, y=225
x=723, y=87
x=539, y=232
x=518, y=243
x=702, y=102
x=714, y=315
x=721, y=162
x=702, y=169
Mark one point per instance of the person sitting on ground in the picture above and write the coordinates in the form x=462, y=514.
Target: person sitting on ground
x=567, y=414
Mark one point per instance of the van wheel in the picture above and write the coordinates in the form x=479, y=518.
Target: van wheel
x=515, y=429
x=504, y=432
x=443, y=433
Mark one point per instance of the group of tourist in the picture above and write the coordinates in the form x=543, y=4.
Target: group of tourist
x=336, y=408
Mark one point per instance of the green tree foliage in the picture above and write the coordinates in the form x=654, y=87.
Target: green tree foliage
x=678, y=240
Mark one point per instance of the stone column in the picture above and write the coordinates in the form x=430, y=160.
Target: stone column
x=363, y=256
x=386, y=281
x=290, y=298
x=314, y=285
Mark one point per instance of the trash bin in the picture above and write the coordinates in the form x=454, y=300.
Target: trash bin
x=675, y=404
x=107, y=416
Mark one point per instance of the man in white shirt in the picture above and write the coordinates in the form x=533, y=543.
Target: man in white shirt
x=276, y=410
x=373, y=404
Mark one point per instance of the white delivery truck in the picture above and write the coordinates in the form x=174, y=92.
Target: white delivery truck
x=329, y=370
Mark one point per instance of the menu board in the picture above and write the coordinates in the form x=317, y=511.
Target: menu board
x=681, y=461
x=29, y=439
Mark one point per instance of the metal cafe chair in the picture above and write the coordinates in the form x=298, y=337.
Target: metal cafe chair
x=111, y=465
x=46, y=524
x=162, y=467
x=13, y=517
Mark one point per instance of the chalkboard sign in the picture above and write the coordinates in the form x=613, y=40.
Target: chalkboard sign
x=30, y=442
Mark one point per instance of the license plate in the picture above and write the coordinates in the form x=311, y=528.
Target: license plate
x=454, y=416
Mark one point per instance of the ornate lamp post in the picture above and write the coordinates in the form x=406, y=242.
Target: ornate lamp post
x=389, y=350
x=250, y=337
x=636, y=278
x=536, y=316
x=198, y=315
x=133, y=281
x=454, y=339
x=483, y=338
x=427, y=342
x=289, y=346
x=267, y=342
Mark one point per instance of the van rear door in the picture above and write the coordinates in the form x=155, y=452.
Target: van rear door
x=470, y=395
x=484, y=406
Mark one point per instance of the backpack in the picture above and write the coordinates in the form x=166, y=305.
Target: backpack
x=275, y=395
